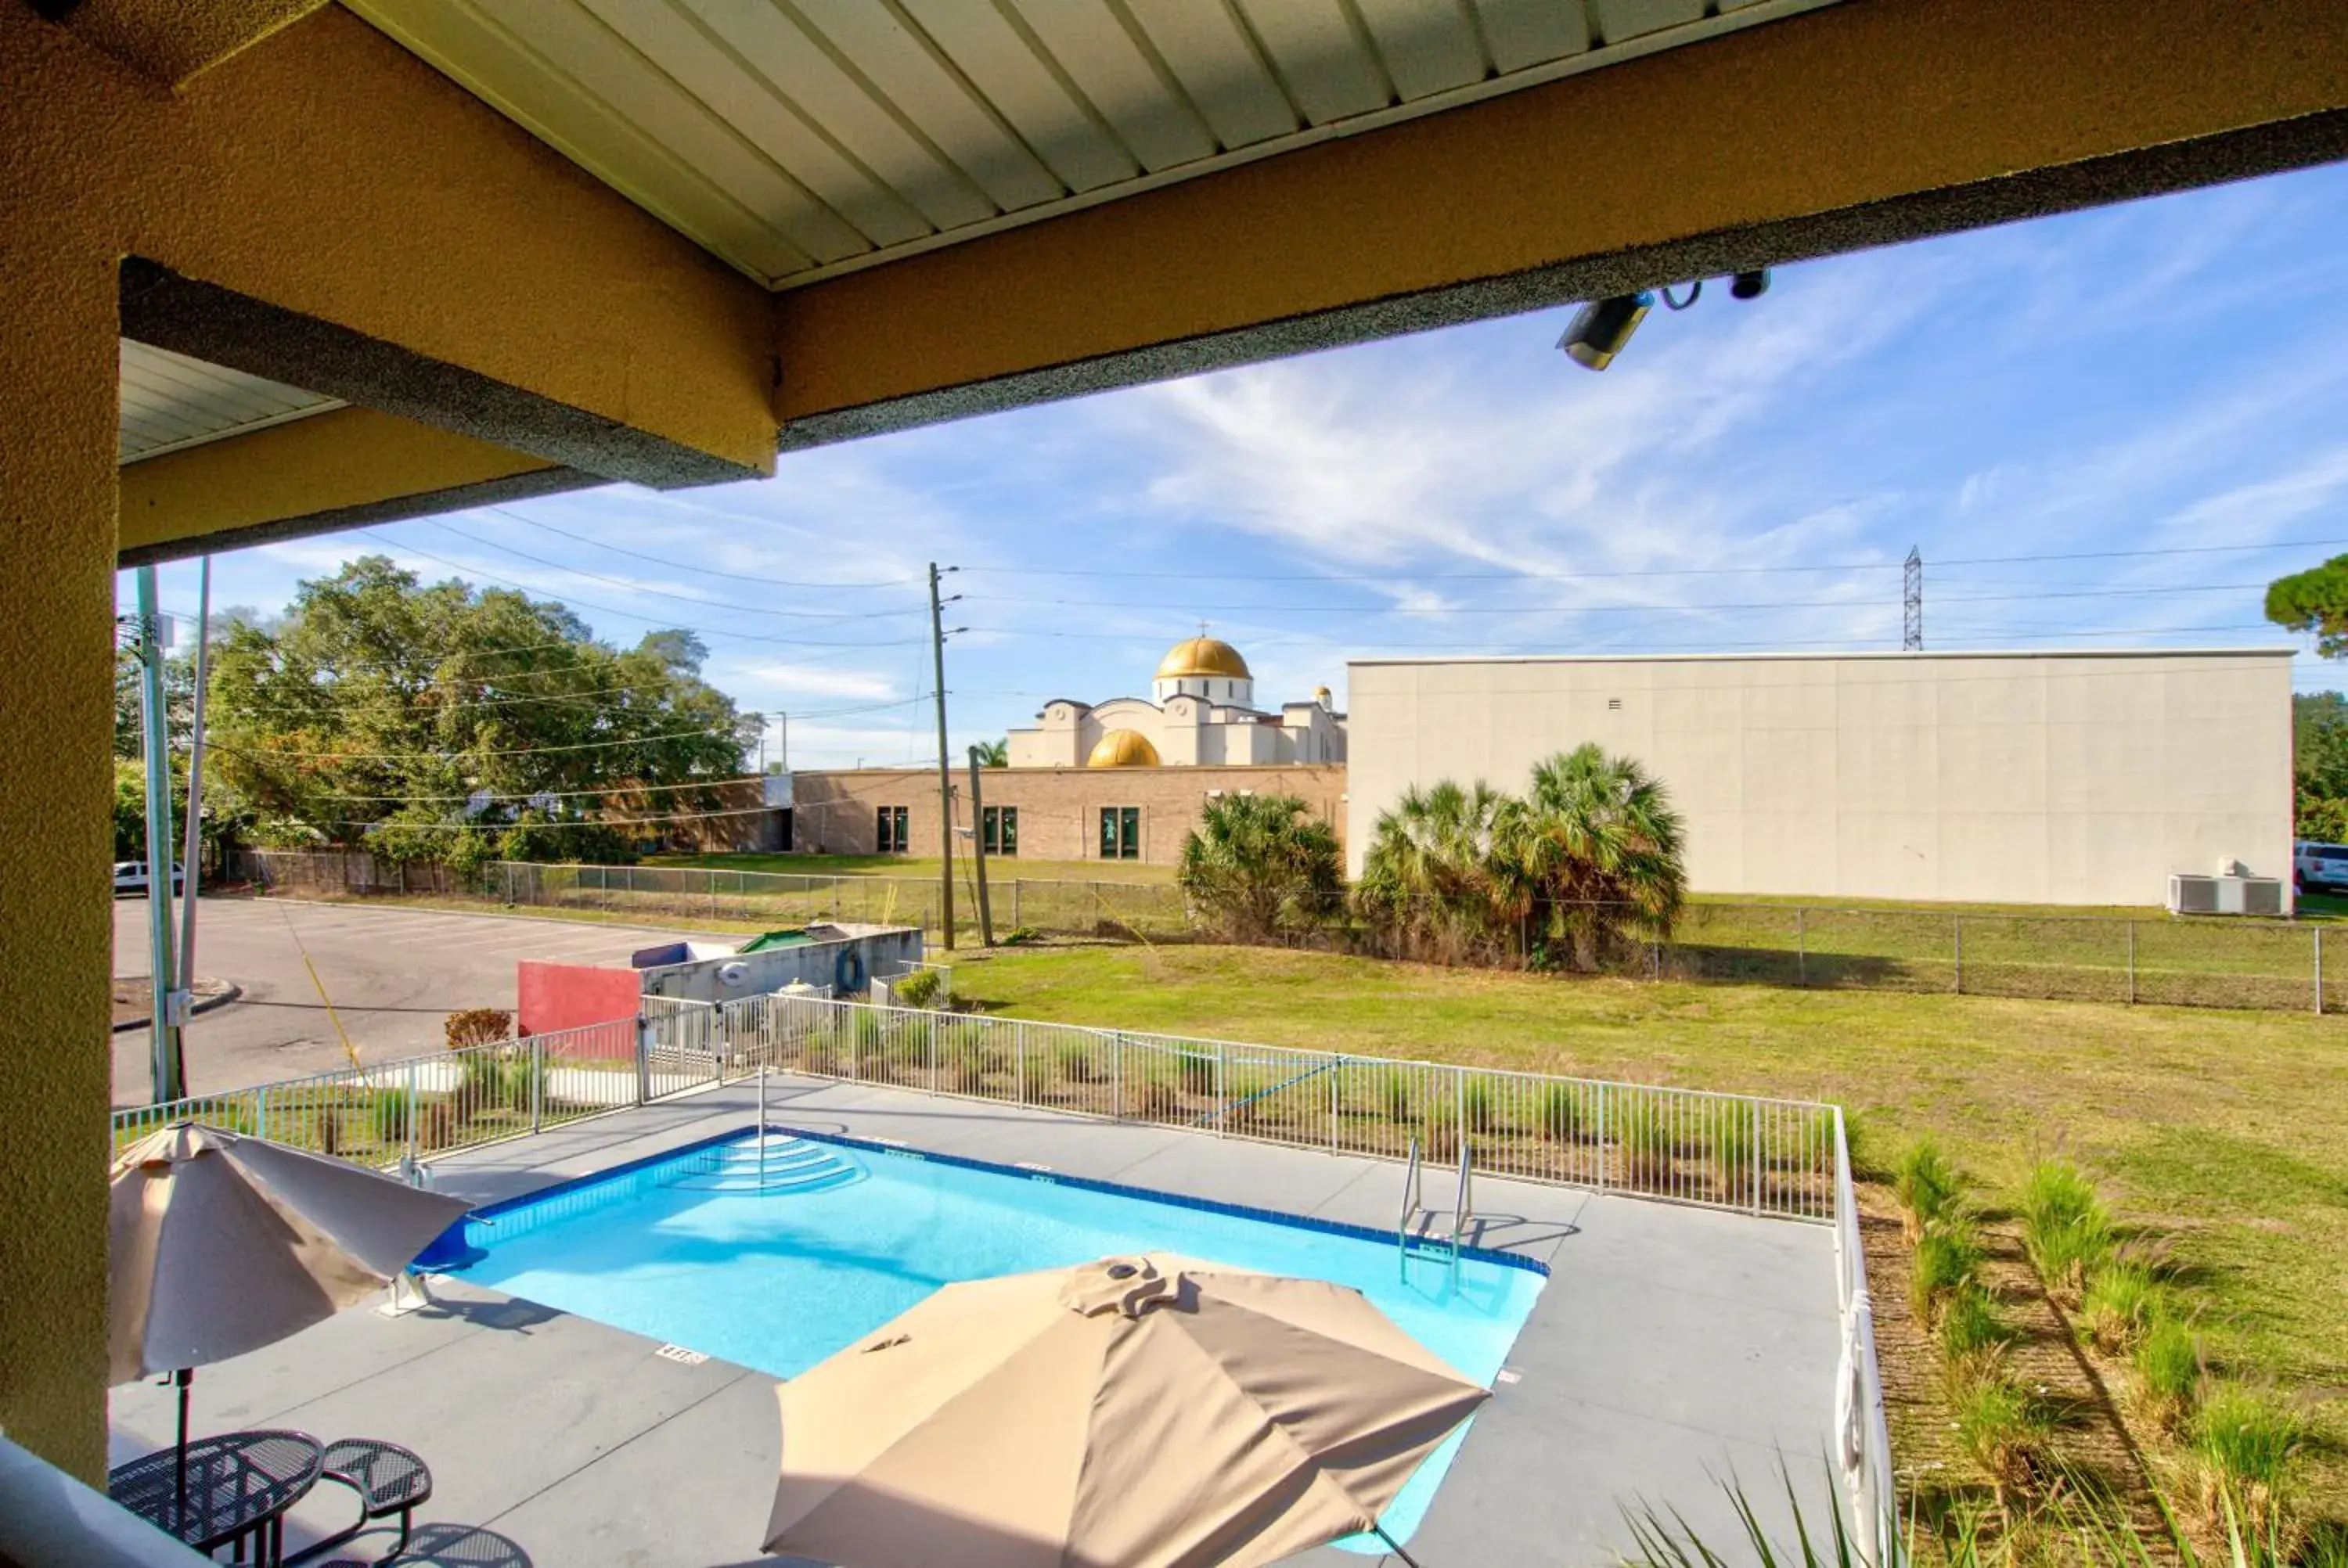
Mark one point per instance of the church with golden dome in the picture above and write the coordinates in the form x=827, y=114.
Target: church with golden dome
x=1201, y=712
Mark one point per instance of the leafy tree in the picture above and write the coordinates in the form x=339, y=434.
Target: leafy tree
x=1599, y=840
x=426, y=721
x=2314, y=600
x=1260, y=867
x=2320, y=765
x=995, y=753
x=1436, y=880
x=1575, y=873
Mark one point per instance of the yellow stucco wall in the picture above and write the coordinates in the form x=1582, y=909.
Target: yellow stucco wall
x=1818, y=113
x=57, y=720
x=348, y=457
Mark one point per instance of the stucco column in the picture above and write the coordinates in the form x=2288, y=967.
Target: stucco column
x=57, y=393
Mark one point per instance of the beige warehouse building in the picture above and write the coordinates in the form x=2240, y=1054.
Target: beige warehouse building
x=2037, y=777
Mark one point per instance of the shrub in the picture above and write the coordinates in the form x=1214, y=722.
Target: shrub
x=1947, y=1256
x=1973, y=1335
x=918, y=990
x=1561, y=1113
x=1074, y=1057
x=2005, y=1432
x=2065, y=1229
x=1260, y=868
x=1394, y=1094
x=435, y=1120
x=2244, y=1445
x=1021, y=936
x=1927, y=1186
x=1475, y=1109
x=1645, y=1140
x=2120, y=1302
x=2167, y=1372
x=494, y=1081
x=1197, y=1074
x=477, y=1026
x=1732, y=1153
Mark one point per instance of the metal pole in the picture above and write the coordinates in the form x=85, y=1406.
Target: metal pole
x=1957, y=924
x=2131, y=939
x=2319, y=972
x=762, y=1126
x=945, y=774
x=162, y=994
x=193, y=868
x=537, y=1084
x=783, y=741
x=978, y=852
x=411, y=1115
x=1801, y=946
x=1014, y=904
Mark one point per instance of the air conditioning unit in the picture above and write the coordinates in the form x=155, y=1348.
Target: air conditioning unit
x=2249, y=896
x=2191, y=895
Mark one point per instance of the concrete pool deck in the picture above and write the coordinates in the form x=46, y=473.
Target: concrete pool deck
x=1671, y=1345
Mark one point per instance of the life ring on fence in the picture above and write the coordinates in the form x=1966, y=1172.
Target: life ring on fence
x=847, y=973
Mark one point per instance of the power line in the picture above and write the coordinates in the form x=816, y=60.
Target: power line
x=663, y=593
x=267, y=753
x=1408, y=578
x=705, y=571
x=630, y=614
x=573, y=821
x=1565, y=610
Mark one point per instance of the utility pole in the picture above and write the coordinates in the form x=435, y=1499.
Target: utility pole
x=783, y=740
x=194, y=866
x=978, y=848
x=1911, y=603
x=945, y=770
x=162, y=998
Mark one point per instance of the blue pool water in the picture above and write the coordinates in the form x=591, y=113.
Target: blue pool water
x=778, y=1281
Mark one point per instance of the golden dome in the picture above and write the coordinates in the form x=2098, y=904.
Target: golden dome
x=1204, y=656
x=1123, y=749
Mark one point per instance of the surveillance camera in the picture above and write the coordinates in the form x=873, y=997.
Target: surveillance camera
x=1749, y=286
x=1602, y=327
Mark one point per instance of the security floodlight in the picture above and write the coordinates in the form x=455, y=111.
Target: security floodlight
x=1749, y=286
x=1602, y=327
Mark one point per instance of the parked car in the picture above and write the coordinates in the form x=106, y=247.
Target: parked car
x=2315, y=866
x=130, y=877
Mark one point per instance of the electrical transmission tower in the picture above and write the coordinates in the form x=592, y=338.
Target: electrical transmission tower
x=1911, y=603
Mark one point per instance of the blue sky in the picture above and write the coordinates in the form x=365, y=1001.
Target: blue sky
x=2169, y=375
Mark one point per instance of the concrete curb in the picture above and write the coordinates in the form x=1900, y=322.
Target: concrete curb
x=221, y=1000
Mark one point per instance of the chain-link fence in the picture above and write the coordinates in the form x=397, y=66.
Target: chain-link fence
x=2179, y=961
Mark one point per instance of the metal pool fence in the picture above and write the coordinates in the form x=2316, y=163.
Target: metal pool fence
x=1762, y=1156
x=2190, y=962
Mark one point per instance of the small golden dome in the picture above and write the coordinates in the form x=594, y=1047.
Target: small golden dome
x=1322, y=695
x=1123, y=749
x=1204, y=656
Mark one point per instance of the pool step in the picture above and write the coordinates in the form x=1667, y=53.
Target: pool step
x=791, y=1165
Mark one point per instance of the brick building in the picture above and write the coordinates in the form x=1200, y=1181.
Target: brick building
x=1042, y=814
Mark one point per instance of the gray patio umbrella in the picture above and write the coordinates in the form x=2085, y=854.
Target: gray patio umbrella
x=219, y=1244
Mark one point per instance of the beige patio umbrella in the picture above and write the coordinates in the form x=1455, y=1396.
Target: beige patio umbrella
x=1139, y=1412
x=219, y=1244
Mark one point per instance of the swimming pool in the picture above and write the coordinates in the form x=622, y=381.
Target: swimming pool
x=778, y=1281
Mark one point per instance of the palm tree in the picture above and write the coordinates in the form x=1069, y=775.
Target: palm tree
x=1259, y=867
x=1598, y=841
x=1435, y=874
x=993, y=753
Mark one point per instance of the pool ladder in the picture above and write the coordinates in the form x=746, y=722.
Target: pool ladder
x=1415, y=1236
x=772, y=1163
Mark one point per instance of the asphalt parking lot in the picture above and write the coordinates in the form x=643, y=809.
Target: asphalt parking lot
x=393, y=975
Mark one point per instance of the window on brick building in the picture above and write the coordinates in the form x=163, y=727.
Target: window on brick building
x=1120, y=833
x=889, y=831
x=999, y=829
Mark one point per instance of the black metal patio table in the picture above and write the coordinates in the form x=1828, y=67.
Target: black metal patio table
x=238, y=1486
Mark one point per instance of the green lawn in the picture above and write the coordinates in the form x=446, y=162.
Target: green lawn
x=916, y=865
x=2222, y=1128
